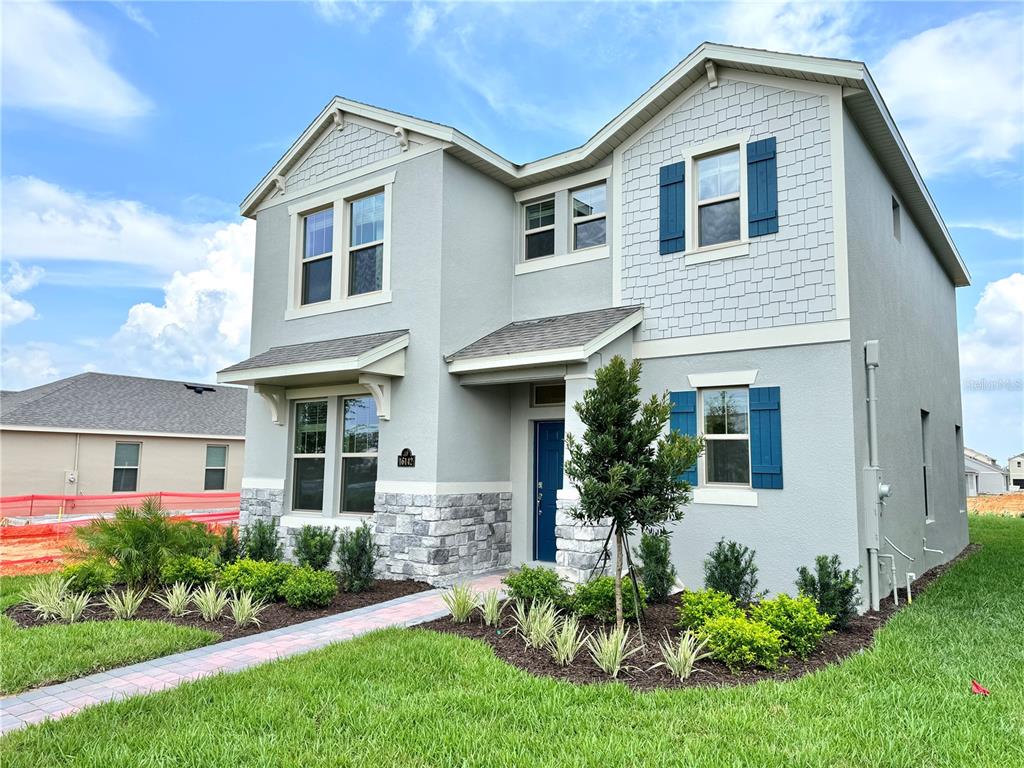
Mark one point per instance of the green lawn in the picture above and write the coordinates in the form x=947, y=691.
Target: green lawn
x=413, y=698
x=58, y=652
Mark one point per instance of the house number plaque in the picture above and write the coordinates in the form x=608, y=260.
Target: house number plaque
x=406, y=458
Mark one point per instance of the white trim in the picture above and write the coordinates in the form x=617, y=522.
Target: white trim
x=724, y=379
x=596, y=253
x=436, y=489
x=334, y=365
x=839, y=232
x=708, y=253
x=761, y=338
x=336, y=390
x=726, y=497
x=346, y=520
x=263, y=483
x=775, y=81
x=116, y=432
x=341, y=305
x=615, y=236
x=352, y=190
x=697, y=254
x=584, y=179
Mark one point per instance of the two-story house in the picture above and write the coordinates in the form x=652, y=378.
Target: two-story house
x=752, y=228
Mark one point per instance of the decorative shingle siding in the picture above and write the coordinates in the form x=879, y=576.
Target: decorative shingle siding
x=339, y=151
x=788, y=277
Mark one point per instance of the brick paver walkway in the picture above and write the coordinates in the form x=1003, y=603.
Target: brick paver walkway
x=56, y=701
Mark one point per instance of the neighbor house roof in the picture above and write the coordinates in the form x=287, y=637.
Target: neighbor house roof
x=860, y=94
x=974, y=464
x=103, y=402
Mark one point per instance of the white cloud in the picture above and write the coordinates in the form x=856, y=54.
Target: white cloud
x=27, y=365
x=811, y=28
x=54, y=64
x=18, y=280
x=337, y=11
x=1009, y=230
x=422, y=20
x=135, y=14
x=956, y=91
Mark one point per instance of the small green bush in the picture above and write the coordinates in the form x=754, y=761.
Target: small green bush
x=730, y=568
x=696, y=608
x=262, y=578
x=835, y=591
x=357, y=558
x=538, y=583
x=305, y=588
x=597, y=598
x=229, y=548
x=659, y=575
x=314, y=546
x=260, y=542
x=91, y=576
x=738, y=642
x=795, y=618
x=191, y=570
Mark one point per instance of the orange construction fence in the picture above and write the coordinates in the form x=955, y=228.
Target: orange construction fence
x=40, y=505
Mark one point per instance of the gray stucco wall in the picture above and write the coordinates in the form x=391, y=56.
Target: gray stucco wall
x=789, y=277
x=900, y=295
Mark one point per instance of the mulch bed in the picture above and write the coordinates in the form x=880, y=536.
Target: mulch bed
x=275, y=616
x=660, y=619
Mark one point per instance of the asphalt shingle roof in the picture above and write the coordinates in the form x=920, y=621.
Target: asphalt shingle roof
x=312, y=351
x=543, y=333
x=127, y=404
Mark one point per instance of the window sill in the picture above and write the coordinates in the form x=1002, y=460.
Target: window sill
x=299, y=519
x=565, y=260
x=342, y=305
x=727, y=497
x=716, y=252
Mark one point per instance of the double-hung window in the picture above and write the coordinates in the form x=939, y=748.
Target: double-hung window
x=216, y=467
x=725, y=422
x=360, y=431
x=366, y=245
x=539, y=223
x=317, y=252
x=308, y=453
x=589, y=216
x=718, y=198
x=126, y=467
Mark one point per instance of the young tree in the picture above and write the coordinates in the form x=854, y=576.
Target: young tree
x=624, y=468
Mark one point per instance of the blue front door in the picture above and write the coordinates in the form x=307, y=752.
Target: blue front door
x=549, y=447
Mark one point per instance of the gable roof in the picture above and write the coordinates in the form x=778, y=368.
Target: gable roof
x=129, y=404
x=860, y=95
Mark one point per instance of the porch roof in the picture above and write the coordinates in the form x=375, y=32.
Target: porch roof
x=545, y=340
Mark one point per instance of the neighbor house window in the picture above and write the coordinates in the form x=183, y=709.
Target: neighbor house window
x=317, y=249
x=726, y=430
x=308, y=451
x=216, y=467
x=718, y=198
x=366, y=245
x=126, y=467
x=589, y=216
x=360, y=431
x=539, y=220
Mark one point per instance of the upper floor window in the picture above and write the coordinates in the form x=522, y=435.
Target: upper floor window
x=539, y=220
x=589, y=216
x=366, y=245
x=216, y=468
x=718, y=198
x=126, y=467
x=317, y=250
x=726, y=429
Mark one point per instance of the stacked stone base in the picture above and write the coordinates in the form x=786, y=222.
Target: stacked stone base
x=579, y=546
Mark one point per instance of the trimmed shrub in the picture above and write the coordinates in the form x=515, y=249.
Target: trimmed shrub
x=260, y=577
x=260, y=542
x=91, y=576
x=597, y=598
x=697, y=608
x=795, y=618
x=835, y=591
x=314, y=546
x=191, y=570
x=357, y=558
x=538, y=583
x=730, y=568
x=659, y=575
x=229, y=548
x=305, y=588
x=738, y=642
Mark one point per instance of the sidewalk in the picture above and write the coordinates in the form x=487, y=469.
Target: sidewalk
x=56, y=701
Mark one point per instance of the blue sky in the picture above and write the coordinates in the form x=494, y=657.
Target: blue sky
x=131, y=131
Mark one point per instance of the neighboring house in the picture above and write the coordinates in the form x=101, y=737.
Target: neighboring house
x=96, y=433
x=983, y=473
x=752, y=228
x=1015, y=466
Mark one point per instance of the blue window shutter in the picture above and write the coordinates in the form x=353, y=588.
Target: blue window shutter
x=765, y=438
x=683, y=420
x=762, y=188
x=673, y=208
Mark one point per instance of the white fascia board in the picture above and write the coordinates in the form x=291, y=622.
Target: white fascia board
x=723, y=379
x=116, y=432
x=335, y=365
x=761, y=338
x=621, y=327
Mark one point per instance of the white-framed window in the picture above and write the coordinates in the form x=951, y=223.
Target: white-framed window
x=317, y=255
x=309, y=453
x=215, y=477
x=719, y=208
x=126, y=467
x=725, y=425
x=365, y=268
x=589, y=216
x=547, y=394
x=360, y=431
x=539, y=229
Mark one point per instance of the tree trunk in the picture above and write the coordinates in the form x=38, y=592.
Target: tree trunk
x=619, y=622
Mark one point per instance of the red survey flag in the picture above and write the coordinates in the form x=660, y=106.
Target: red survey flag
x=976, y=688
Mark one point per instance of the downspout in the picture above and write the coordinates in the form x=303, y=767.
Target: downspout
x=872, y=475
